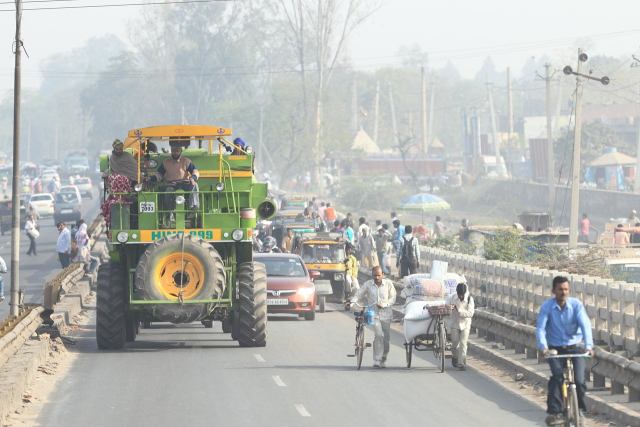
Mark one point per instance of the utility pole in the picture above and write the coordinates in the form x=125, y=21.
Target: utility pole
x=423, y=110
x=551, y=193
x=261, y=149
x=636, y=187
x=376, y=113
x=394, y=123
x=14, y=304
x=430, y=128
x=509, y=105
x=575, y=167
x=494, y=129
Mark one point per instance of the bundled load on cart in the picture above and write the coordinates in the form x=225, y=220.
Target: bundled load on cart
x=425, y=310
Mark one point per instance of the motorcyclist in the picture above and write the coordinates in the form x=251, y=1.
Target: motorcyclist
x=270, y=245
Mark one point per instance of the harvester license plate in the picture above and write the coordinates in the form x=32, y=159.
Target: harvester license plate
x=277, y=301
x=147, y=207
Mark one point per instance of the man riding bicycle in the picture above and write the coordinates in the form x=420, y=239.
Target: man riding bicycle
x=563, y=326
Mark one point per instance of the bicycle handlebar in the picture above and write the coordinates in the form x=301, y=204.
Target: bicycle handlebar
x=568, y=356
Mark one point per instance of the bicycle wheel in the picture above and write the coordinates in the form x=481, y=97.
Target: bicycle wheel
x=360, y=346
x=572, y=418
x=442, y=337
x=408, y=348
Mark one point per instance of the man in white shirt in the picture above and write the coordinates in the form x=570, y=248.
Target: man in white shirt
x=463, y=309
x=381, y=294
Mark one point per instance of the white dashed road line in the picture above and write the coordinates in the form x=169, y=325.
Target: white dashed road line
x=278, y=381
x=259, y=358
x=302, y=410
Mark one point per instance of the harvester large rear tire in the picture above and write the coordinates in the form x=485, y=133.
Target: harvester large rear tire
x=111, y=316
x=251, y=323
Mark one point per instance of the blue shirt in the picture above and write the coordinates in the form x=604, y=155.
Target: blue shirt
x=63, y=245
x=348, y=234
x=559, y=327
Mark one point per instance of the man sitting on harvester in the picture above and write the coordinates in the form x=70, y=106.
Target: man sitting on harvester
x=180, y=173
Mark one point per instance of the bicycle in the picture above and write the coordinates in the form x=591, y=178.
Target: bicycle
x=360, y=345
x=439, y=336
x=571, y=411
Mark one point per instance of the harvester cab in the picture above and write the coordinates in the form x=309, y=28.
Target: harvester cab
x=180, y=236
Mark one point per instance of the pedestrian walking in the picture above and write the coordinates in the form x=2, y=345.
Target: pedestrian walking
x=439, y=228
x=351, y=267
x=408, y=259
x=585, y=228
x=63, y=245
x=31, y=229
x=381, y=295
x=366, y=246
x=463, y=308
x=382, y=244
x=82, y=237
x=3, y=270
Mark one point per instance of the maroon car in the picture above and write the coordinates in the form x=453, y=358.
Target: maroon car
x=290, y=287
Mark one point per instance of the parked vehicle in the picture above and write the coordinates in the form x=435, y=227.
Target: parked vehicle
x=290, y=287
x=67, y=207
x=43, y=204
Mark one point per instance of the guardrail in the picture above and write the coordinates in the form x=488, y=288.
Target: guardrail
x=518, y=290
x=606, y=370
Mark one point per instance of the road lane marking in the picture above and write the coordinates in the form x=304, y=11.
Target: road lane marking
x=278, y=381
x=259, y=358
x=302, y=410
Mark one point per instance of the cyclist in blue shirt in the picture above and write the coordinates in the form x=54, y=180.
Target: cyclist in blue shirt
x=563, y=325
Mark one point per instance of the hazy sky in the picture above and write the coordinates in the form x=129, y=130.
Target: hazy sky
x=464, y=31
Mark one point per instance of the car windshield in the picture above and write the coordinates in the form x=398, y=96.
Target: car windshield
x=283, y=267
x=323, y=253
x=66, y=197
x=41, y=198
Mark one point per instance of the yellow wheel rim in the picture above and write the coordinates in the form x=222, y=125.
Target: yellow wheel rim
x=178, y=274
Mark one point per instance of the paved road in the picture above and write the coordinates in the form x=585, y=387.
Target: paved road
x=36, y=270
x=179, y=376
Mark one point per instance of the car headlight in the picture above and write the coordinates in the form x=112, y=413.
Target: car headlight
x=338, y=276
x=180, y=200
x=237, y=235
x=305, y=292
x=122, y=237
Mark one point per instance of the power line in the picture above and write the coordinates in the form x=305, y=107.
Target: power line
x=98, y=6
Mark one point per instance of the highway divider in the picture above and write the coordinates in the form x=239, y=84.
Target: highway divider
x=22, y=351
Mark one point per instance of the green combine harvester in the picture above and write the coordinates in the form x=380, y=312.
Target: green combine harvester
x=184, y=256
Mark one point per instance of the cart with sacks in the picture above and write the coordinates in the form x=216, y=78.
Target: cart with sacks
x=425, y=314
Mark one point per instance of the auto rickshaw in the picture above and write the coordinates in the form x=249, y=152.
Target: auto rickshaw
x=325, y=253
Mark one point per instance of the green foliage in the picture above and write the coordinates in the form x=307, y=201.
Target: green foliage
x=505, y=246
x=452, y=243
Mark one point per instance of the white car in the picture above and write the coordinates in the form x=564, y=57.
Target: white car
x=43, y=204
x=84, y=184
x=71, y=189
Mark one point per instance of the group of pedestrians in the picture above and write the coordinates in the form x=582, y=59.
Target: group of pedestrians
x=75, y=249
